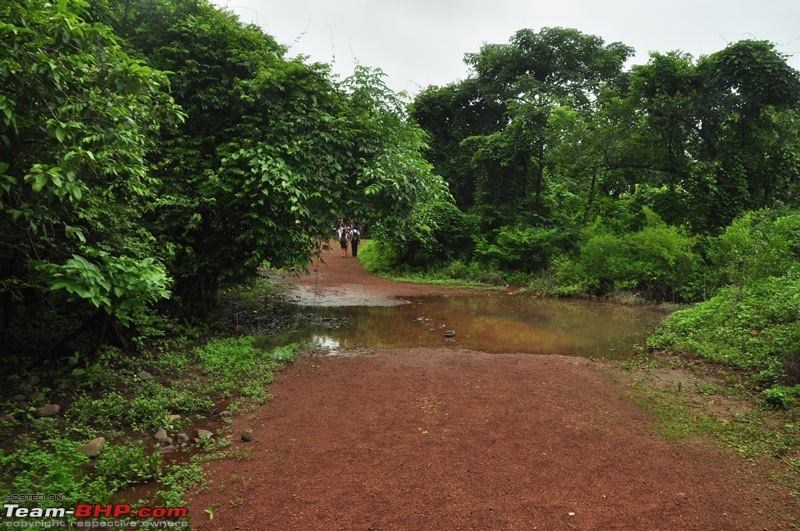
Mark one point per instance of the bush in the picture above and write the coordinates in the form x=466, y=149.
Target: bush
x=378, y=257
x=756, y=246
x=663, y=261
x=521, y=248
x=231, y=363
x=752, y=328
x=659, y=260
x=451, y=232
x=122, y=466
x=100, y=413
x=781, y=397
x=58, y=467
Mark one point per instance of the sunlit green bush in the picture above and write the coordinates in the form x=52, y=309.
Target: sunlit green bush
x=521, y=248
x=756, y=246
x=753, y=328
x=659, y=260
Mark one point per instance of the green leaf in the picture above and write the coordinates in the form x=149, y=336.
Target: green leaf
x=39, y=182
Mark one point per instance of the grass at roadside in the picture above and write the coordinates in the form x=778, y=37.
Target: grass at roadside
x=375, y=262
x=176, y=384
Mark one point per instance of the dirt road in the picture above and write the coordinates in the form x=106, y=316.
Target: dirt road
x=452, y=439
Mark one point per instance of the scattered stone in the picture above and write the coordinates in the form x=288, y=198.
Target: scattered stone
x=22, y=405
x=144, y=376
x=92, y=448
x=226, y=414
x=48, y=410
x=161, y=436
x=202, y=434
x=33, y=381
x=247, y=435
x=174, y=417
x=182, y=438
x=20, y=398
x=8, y=417
x=450, y=333
x=168, y=449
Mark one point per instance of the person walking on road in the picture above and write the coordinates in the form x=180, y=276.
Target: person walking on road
x=343, y=239
x=355, y=236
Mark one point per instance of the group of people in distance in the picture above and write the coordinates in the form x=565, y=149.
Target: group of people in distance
x=349, y=235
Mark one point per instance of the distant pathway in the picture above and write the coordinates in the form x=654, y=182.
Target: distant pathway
x=445, y=439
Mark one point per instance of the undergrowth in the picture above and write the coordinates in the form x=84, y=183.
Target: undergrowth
x=182, y=381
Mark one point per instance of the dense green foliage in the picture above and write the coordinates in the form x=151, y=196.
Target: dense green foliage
x=272, y=150
x=677, y=180
x=753, y=322
x=155, y=149
x=107, y=399
x=549, y=133
x=79, y=115
x=658, y=260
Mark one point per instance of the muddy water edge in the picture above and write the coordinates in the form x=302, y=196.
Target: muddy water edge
x=493, y=322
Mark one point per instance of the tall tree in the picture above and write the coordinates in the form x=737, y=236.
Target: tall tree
x=726, y=127
x=449, y=115
x=78, y=117
x=524, y=80
x=272, y=151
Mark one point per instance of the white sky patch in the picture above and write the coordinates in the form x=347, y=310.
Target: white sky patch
x=423, y=42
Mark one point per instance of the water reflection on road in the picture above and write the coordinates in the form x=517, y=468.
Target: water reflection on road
x=486, y=321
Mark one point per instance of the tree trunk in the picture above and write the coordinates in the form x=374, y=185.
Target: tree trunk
x=98, y=334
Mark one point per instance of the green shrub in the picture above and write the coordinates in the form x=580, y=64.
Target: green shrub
x=56, y=467
x=378, y=257
x=662, y=261
x=753, y=328
x=231, y=363
x=659, y=260
x=450, y=235
x=756, y=246
x=149, y=410
x=122, y=466
x=101, y=413
x=781, y=397
x=520, y=248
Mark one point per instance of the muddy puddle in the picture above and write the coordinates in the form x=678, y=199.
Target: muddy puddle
x=489, y=321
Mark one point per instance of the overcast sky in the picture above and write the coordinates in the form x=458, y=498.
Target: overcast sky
x=422, y=42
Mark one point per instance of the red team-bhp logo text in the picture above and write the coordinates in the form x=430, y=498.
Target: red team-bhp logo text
x=121, y=510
